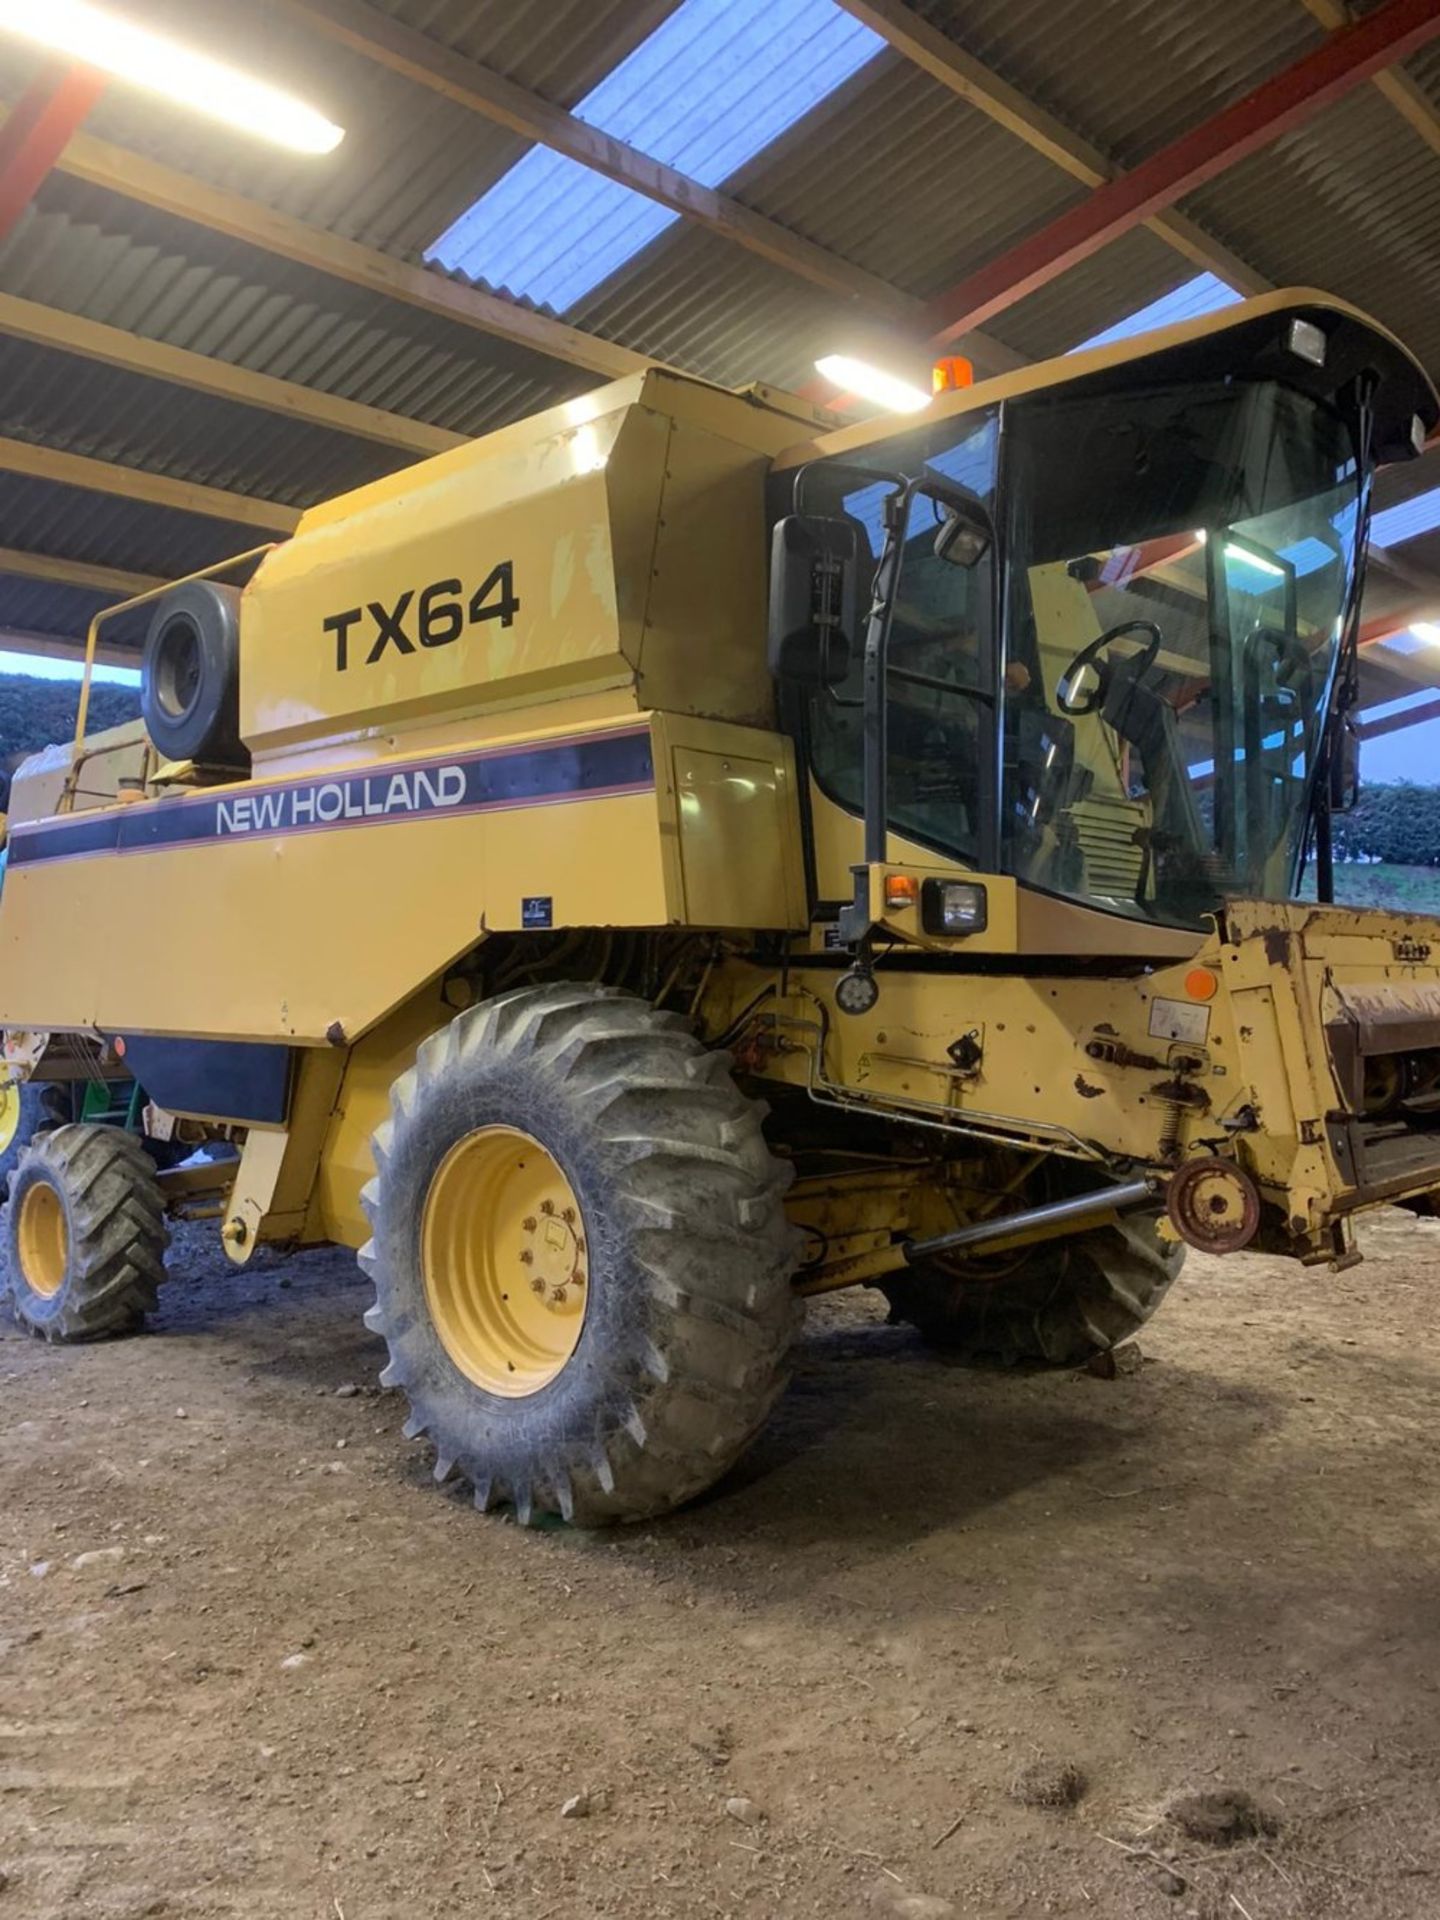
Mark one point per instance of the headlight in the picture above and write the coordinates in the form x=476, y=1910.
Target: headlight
x=953, y=907
x=1307, y=342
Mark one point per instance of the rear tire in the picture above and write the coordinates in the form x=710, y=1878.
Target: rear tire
x=27, y=1107
x=677, y=1240
x=85, y=1235
x=1064, y=1303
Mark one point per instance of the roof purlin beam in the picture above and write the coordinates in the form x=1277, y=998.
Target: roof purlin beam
x=109, y=346
x=945, y=61
x=1276, y=106
x=120, y=170
x=1405, y=96
x=150, y=489
x=83, y=574
x=365, y=30
x=54, y=646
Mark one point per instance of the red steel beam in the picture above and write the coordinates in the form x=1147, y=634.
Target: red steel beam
x=37, y=132
x=1345, y=60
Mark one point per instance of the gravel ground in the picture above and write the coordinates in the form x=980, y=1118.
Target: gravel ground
x=946, y=1644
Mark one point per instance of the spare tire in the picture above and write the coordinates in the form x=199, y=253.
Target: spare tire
x=190, y=676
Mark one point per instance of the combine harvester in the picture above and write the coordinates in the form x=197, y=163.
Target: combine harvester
x=611, y=976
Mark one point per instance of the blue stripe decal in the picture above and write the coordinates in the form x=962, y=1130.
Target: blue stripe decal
x=576, y=769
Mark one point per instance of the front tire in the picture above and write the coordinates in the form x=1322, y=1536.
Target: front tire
x=85, y=1234
x=580, y=1255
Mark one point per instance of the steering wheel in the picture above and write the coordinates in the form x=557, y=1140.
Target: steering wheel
x=1089, y=657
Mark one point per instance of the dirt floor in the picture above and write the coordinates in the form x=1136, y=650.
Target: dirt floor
x=252, y=1662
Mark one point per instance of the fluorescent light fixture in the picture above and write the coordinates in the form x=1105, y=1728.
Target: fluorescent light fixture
x=872, y=383
x=99, y=38
x=1248, y=559
x=1426, y=630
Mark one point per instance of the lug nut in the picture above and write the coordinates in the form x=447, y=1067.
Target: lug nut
x=529, y=1223
x=558, y=1296
x=527, y=1258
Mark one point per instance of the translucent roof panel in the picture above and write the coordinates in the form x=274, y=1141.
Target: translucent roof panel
x=1206, y=293
x=706, y=92
x=1389, y=709
x=1405, y=522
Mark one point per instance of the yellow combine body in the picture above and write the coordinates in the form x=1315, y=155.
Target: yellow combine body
x=531, y=812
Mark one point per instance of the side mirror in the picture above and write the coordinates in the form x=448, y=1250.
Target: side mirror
x=1345, y=768
x=814, y=599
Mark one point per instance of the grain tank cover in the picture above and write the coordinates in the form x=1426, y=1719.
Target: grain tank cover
x=613, y=542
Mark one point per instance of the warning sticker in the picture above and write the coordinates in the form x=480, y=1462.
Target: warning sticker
x=1179, y=1020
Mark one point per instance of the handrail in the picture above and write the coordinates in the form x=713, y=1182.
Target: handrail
x=92, y=636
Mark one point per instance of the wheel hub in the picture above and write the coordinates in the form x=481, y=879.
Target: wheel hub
x=43, y=1240
x=504, y=1258
x=1213, y=1205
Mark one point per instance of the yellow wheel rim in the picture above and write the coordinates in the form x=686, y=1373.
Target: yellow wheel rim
x=503, y=1252
x=44, y=1240
x=9, y=1114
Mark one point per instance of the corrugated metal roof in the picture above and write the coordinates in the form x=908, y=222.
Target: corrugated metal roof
x=1129, y=75
x=580, y=42
x=60, y=612
x=894, y=173
x=54, y=400
x=1350, y=202
x=1424, y=69
x=42, y=518
x=695, y=301
x=34, y=606
x=1088, y=298
x=92, y=252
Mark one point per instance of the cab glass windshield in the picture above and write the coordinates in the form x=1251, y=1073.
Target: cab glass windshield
x=1180, y=564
